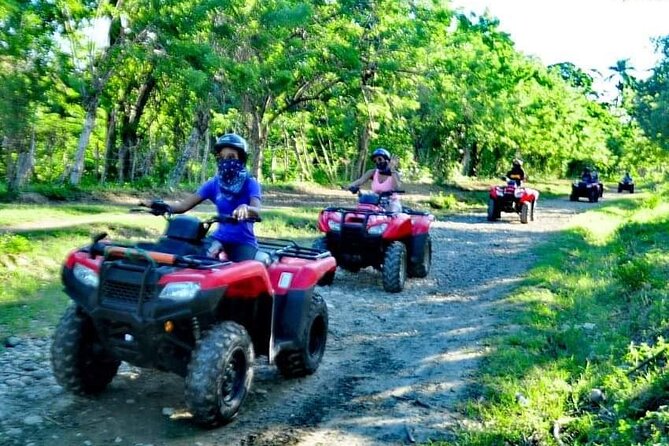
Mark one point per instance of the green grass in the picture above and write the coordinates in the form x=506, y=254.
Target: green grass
x=592, y=314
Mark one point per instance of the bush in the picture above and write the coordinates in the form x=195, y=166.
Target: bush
x=14, y=244
x=443, y=201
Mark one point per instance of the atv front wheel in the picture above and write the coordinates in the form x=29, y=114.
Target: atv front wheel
x=422, y=268
x=219, y=374
x=305, y=361
x=492, y=210
x=631, y=189
x=524, y=213
x=394, y=267
x=80, y=362
x=573, y=197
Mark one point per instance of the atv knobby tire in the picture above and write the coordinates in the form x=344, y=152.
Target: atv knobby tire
x=422, y=268
x=492, y=210
x=305, y=361
x=573, y=197
x=321, y=244
x=219, y=374
x=394, y=267
x=80, y=362
x=524, y=213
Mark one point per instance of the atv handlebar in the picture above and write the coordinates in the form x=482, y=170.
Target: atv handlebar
x=356, y=190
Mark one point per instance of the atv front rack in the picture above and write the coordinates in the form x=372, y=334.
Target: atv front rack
x=287, y=248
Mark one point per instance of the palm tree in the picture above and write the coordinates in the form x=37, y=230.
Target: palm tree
x=622, y=70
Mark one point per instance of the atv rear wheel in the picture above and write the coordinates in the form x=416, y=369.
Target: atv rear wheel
x=632, y=189
x=422, y=268
x=80, y=362
x=305, y=361
x=321, y=244
x=620, y=189
x=492, y=210
x=524, y=213
x=573, y=197
x=219, y=374
x=394, y=267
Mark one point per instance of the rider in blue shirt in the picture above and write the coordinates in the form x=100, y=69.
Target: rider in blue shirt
x=234, y=192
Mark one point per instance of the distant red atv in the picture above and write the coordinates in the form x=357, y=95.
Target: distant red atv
x=397, y=243
x=514, y=198
x=164, y=305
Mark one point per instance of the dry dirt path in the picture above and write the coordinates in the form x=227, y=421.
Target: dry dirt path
x=395, y=366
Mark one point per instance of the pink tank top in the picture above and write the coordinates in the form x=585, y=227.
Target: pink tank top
x=378, y=186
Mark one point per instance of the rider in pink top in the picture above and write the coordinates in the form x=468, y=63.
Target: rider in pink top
x=385, y=177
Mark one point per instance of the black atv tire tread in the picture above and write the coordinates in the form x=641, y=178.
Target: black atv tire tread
x=533, y=208
x=321, y=244
x=395, y=260
x=208, y=361
x=492, y=210
x=573, y=197
x=422, y=269
x=298, y=363
x=631, y=189
x=524, y=212
x=72, y=368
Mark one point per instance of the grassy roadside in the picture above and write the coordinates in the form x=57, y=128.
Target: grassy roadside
x=31, y=299
x=583, y=360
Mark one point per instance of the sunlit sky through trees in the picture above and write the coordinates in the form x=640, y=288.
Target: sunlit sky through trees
x=592, y=34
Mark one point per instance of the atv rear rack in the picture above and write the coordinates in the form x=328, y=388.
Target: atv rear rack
x=288, y=248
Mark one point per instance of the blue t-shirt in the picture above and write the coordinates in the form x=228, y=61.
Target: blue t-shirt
x=241, y=232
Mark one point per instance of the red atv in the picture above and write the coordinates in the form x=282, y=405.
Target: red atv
x=164, y=305
x=514, y=198
x=397, y=243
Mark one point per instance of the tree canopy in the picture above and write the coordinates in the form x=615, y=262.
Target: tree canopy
x=313, y=85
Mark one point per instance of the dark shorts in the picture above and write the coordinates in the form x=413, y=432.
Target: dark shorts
x=238, y=252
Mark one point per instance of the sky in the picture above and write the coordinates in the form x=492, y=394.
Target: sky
x=592, y=34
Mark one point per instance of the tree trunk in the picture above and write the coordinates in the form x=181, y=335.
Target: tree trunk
x=110, y=144
x=258, y=141
x=130, y=124
x=363, y=150
x=77, y=169
x=200, y=129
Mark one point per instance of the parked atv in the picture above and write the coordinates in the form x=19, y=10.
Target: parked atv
x=164, y=305
x=396, y=243
x=626, y=183
x=593, y=190
x=514, y=198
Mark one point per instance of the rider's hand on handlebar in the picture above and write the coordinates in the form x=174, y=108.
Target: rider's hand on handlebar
x=159, y=207
x=354, y=189
x=242, y=212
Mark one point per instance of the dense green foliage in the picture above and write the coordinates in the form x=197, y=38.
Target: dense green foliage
x=312, y=85
x=585, y=359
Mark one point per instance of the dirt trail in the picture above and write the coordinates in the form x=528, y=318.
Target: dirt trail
x=395, y=368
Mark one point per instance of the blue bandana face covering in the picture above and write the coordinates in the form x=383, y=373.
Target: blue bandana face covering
x=231, y=175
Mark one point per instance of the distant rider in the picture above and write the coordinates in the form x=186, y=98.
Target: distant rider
x=385, y=178
x=516, y=173
x=234, y=192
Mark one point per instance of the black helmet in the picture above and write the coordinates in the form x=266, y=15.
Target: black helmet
x=233, y=141
x=381, y=152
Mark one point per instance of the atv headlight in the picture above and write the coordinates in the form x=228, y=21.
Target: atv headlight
x=86, y=275
x=378, y=229
x=334, y=225
x=180, y=291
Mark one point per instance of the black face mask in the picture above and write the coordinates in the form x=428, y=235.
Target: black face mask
x=382, y=167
